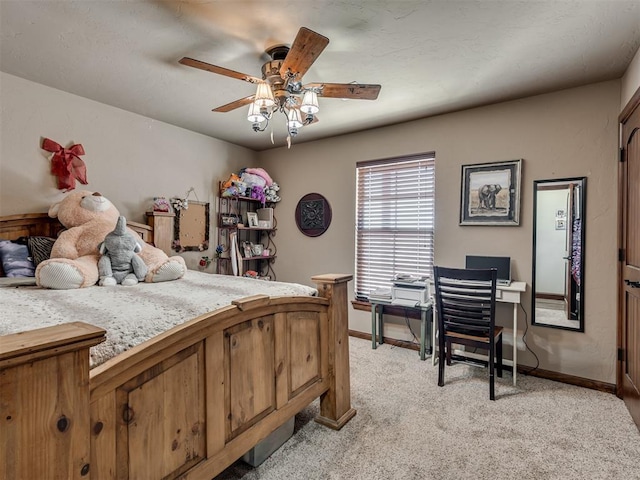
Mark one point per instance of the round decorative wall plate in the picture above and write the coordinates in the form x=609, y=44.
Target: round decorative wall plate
x=313, y=215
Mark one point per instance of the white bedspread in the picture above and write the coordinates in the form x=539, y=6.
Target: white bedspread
x=131, y=315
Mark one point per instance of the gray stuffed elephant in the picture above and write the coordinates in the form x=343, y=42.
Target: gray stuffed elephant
x=119, y=262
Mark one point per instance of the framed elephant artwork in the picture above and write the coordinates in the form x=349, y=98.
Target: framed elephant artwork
x=491, y=193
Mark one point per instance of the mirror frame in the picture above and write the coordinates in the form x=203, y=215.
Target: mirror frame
x=583, y=204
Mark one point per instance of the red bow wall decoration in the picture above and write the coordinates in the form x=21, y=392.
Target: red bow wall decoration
x=66, y=164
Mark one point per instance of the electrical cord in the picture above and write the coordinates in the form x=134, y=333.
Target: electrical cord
x=524, y=340
x=406, y=320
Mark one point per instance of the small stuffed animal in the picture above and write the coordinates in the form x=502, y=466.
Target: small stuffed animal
x=161, y=204
x=119, y=262
x=230, y=181
x=257, y=192
x=271, y=193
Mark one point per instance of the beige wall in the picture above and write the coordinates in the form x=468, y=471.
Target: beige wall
x=130, y=158
x=564, y=134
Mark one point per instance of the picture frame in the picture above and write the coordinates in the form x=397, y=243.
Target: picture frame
x=191, y=228
x=229, y=220
x=257, y=249
x=246, y=248
x=490, y=193
x=252, y=220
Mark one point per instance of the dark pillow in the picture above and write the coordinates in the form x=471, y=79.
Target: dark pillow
x=15, y=260
x=40, y=248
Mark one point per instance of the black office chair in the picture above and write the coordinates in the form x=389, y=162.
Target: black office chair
x=466, y=305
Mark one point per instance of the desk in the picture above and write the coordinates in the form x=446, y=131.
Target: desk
x=426, y=322
x=510, y=294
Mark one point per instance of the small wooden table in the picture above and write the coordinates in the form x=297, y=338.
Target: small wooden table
x=426, y=323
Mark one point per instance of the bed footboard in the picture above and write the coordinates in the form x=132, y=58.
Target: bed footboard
x=185, y=404
x=44, y=402
x=335, y=404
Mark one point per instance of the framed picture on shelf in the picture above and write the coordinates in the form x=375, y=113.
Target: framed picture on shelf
x=490, y=193
x=229, y=219
x=257, y=249
x=246, y=248
x=252, y=220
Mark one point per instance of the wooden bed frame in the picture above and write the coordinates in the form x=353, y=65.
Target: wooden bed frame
x=185, y=404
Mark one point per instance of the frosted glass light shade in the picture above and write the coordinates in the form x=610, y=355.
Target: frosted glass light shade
x=310, y=103
x=294, y=118
x=254, y=115
x=264, y=96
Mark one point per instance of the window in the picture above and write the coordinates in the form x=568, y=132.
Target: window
x=395, y=202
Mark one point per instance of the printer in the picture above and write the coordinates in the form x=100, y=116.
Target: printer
x=410, y=290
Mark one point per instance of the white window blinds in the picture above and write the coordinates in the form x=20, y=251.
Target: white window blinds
x=395, y=203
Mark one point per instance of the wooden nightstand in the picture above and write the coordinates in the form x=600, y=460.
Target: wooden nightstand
x=162, y=224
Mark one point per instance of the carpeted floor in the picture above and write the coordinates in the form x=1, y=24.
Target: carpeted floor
x=552, y=312
x=409, y=428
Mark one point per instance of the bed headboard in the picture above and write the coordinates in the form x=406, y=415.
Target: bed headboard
x=29, y=224
x=40, y=224
x=13, y=227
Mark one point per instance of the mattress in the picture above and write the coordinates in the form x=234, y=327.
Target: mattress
x=131, y=315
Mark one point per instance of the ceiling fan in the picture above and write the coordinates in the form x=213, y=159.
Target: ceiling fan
x=281, y=88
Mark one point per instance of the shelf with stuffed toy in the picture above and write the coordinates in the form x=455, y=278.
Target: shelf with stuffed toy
x=246, y=216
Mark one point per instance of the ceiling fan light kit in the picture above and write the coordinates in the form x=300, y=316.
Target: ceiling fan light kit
x=310, y=103
x=254, y=115
x=281, y=86
x=294, y=121
x=264, y=97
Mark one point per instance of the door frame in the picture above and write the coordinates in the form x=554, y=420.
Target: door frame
x=627, y=111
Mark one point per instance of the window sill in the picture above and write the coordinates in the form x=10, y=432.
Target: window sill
x=361, y=305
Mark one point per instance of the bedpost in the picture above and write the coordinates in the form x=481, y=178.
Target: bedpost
x=335, y=404
x=44, y=402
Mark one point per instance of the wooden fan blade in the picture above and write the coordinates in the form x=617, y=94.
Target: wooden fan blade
x=307, y=46
x=346, y=90
x=236, y=104
x=190, y=62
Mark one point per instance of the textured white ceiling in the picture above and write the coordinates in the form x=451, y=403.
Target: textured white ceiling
x=430, y=57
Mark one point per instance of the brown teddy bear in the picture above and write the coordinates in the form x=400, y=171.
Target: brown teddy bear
x=89, y=217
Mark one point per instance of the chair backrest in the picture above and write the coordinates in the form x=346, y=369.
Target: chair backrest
x=466, y=300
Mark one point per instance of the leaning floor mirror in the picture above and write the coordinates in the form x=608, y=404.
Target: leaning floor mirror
x=558, y=260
